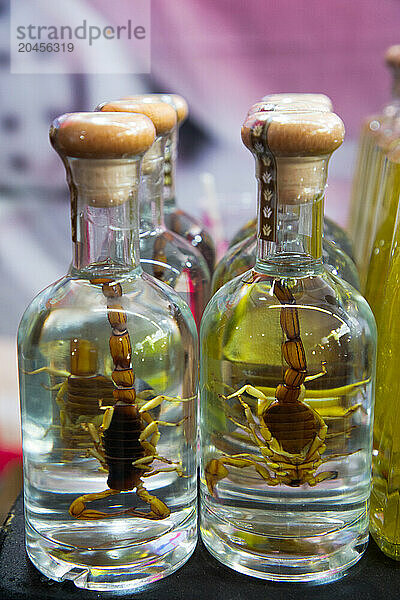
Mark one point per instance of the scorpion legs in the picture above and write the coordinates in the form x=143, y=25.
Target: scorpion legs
x=158, y=400
x=78, y=507
x=216, y=469
x=158, y=510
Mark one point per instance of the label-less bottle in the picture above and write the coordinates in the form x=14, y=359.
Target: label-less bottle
x=108, y=370
x=287, y=378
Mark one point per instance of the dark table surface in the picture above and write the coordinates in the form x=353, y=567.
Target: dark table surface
x=375, y=577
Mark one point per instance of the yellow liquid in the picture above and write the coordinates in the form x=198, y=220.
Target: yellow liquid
x=380, y=255
x=364, y=148
x=385, y=496
x=369, y=203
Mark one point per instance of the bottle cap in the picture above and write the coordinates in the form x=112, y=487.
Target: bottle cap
x=317, y=99
x=392, y=56
x=106, y=135
x=162, y=115
x=94, y=139
x=291, y=149
x=298, y=133
x=177, y=102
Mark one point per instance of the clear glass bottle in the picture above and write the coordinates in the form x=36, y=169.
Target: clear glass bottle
x=164, y=254
x=366, y=182
x=176, y=219
x=108, y=371
x=287, y=379
x=385, y=495
x=332, y=231
x=380, y=255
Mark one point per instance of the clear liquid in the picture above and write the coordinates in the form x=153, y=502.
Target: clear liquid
x=119, y=551
x=296, y=531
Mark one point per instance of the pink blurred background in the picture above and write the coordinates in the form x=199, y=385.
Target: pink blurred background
x=222, y=56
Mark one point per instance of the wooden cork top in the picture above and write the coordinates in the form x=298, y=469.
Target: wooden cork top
x=162, y=114
x=289, y=98
x=392, y=56
x=177, y=102
x=101, y=135
x=292, y=151
x=294, y=133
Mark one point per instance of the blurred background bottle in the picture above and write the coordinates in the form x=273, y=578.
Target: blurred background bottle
x=164, y=254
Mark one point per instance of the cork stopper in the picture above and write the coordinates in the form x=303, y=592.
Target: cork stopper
x=300, y=144
x=177, y=102
x=302, y=133
x=91, y=135
x=97, y=149
x=316, y=99
x=392, y=56
x=162, y=115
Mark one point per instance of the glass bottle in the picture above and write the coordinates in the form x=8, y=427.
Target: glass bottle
x=332, y=231
x=380, y=255
x=287, y=377
x=164, y=254
x=366, y=182
x=176, y=219
x=385, y=495
x=108, y=370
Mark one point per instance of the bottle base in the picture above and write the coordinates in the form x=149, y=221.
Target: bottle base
x=389, y=548
x=125, y=568
x=290, y=560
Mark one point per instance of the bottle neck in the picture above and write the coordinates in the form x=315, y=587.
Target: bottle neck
x=294, y=248
x=151, y=188
x=170, y=157
x=104, y=214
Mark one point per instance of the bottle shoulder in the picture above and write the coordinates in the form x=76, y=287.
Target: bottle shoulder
x=319, y=298
x=75, y=305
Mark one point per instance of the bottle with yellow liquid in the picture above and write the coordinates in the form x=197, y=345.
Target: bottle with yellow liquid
x=288, y=362
x=368, y=172
x=380, y=256
x=385, y=496
x=385, y=139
